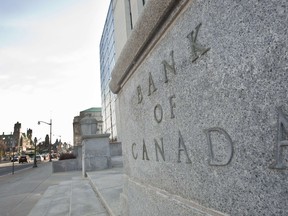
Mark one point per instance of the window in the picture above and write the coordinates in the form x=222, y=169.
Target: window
x=130, y=13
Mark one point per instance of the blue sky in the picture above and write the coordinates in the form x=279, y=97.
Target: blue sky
x=12, y=12
x=49, y=63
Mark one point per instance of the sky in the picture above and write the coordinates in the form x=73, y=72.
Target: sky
x=49, y=63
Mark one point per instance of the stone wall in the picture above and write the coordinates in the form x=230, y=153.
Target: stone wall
x=95, y=153
x=115, y=148
x=202, y=109
x=77, y=151
x=65, y=165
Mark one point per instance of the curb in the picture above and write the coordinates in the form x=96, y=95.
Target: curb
x=102, y=200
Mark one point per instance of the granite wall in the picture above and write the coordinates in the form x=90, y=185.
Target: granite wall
x=115, y=148
x=95, y=153
x=202, y=109
x=65, y=165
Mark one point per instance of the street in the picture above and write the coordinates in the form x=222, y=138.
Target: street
x=21, y=191
x=7, y=168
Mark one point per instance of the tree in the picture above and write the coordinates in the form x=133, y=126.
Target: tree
x=3, y=147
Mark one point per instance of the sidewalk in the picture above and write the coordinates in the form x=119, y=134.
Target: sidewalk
x=98, y=194
x=108, y=185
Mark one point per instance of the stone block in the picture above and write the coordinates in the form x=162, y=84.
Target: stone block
x=95, y=153
x=65, y=165
x=115, y=148
x=206, y=100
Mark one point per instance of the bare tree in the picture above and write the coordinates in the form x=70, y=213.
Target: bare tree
x=3, y=147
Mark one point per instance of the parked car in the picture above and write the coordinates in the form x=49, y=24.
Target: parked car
x=39, y=158
x=5, y=158
x=15, y=158
x=25, y=158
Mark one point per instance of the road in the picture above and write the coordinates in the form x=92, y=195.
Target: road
x=7, y=168
x=20, y=192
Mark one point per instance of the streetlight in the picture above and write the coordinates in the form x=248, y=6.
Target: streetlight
x=35, y=162
x=13, y=147
x=50, y=136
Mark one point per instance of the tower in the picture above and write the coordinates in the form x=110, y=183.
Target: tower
x=16, y=135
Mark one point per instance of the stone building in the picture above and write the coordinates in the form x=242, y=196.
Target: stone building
x=21, y=141
x=94, y=112
x=202, y=109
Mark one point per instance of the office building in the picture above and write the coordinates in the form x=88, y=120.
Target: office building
x=121, y=17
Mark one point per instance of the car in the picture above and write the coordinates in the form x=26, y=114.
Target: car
x=5, y=158
x=39, y=158
x=23, y=159
x=15, y=158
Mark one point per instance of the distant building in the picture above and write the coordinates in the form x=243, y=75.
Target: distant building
x=7, y=141
x=94, y=112
x=121, y=18
x=21, y=141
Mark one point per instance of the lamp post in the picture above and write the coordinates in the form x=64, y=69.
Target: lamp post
x=35, y=161
x=50, y=143
x=13, y=147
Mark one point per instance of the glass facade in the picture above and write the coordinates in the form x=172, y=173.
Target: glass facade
x=118, y=26
x=107, y=62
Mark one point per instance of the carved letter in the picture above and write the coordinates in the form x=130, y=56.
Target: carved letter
x=281, y=141
x=181, y=143
x=145, y=151
x=229, y=155
x=159, y=118
x=151, y=83
x=171, y=68
x=161, y=150
x=196, y=49
x=135, y=157
x=172, y=105
x=140, y=96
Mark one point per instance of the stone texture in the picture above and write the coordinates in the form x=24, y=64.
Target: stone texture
x=77, y=151
x=232, y=91
x=115, y=148
x=150, y=199
x=95, y=153
x=65, y=165
x=108, y=184
x=153, y=16
x=88, y=125
x=70, y=198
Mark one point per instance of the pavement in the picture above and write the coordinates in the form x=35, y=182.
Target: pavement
x=97, y=194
